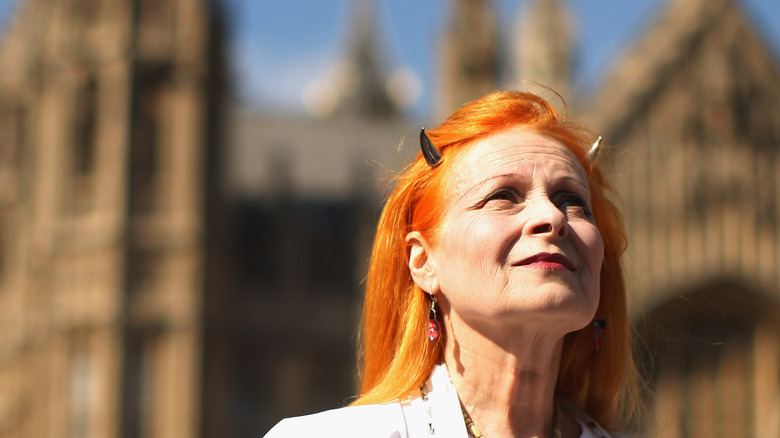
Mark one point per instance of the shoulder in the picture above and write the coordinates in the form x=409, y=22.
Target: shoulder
x=369, y=421
x=435, y=412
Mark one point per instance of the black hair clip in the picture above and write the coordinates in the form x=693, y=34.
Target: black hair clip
x=430, y=152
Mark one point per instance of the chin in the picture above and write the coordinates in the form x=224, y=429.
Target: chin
x=572, y=311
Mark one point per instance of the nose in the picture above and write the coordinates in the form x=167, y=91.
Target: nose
x=546, y=219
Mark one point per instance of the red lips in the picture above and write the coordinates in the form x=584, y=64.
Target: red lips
x=546, y=260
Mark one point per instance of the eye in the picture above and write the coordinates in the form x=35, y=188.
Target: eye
x=572, y=202
x=502, y=195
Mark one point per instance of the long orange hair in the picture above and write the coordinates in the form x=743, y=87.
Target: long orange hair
x=397, y=357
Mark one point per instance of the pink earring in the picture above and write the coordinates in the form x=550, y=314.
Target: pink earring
x=433, y=325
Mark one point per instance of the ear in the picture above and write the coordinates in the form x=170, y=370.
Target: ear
x=421, y=264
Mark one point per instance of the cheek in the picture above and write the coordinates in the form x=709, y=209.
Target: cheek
x=589, y=245
x=592, y=249
x=470, y=250
x=477, y=239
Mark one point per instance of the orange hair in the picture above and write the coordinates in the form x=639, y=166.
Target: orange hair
x=397, y=357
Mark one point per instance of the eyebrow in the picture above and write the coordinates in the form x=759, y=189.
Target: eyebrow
x=576, y=181
x=573, y=179
x=482, y=183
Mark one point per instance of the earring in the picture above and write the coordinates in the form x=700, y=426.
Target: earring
x=598, y=326
x=433, y=325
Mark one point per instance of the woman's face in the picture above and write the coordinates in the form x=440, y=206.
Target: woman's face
x=518, y=241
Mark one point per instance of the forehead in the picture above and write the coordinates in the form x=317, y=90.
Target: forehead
x=516, y=152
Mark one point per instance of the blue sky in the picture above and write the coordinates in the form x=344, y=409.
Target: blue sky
x=281, y=47
x=280, y=51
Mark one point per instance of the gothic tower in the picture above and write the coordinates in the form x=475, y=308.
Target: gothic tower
x=543, y=49
x=364, y=90
x=469, y=62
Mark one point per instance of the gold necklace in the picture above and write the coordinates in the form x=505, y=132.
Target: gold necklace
x=471, y=428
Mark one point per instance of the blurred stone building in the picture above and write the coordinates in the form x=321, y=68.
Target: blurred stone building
x=172, y=267
x=693, y=114
x=107, y=131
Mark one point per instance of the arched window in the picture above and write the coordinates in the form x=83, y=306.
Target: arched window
x=84, y=149
x=144, y=159
x=85, y=129
x=148, y=137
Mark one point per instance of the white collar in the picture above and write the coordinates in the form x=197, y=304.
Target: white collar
x=436, y=412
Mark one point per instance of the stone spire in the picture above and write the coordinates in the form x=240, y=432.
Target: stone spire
x=469, y=63
x=544, y=45
x=364, y=91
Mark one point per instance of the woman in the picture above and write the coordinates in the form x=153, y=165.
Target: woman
x=494, y=273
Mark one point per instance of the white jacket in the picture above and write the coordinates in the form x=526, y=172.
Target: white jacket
x=435, y=414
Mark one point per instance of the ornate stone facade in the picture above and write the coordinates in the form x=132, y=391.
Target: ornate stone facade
x=153, y=284
x=104, y=108
x=693, y=115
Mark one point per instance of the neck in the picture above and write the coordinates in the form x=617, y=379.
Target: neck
x=507, y=388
